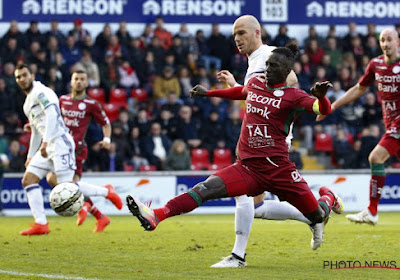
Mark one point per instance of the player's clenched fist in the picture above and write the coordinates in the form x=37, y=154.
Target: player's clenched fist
x=198, y=90
x=319, y=89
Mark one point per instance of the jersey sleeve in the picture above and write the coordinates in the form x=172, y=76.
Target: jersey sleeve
x=369, y=76
x=233, y=93
x=304, y=101
x=50, y=108
x=99, y=115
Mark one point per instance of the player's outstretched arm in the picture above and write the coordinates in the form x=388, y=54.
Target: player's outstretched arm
x=234, y=93
x=351, y=94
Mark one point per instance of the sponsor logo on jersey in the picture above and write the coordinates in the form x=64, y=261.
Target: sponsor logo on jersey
x=396, y=69
x=383, y=80
x=82, y=106
x=264, y=100
x=257, y=87
x=258, y=136
x=278, y=93
x=263, y=112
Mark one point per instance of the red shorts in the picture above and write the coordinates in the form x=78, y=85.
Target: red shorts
x=277, y=175
x=391, y=142
x=81, y=154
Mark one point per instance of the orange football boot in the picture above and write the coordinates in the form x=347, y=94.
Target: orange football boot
x=102, y=223
x=36, y=229
x=113, y=196
x=83, y=213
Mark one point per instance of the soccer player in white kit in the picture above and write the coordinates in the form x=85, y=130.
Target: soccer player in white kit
x=247, y=36
x=51, y=148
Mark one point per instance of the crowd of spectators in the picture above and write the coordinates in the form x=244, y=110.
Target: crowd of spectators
x=162, y=130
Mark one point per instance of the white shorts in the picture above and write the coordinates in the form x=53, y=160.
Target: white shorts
x=60, y=160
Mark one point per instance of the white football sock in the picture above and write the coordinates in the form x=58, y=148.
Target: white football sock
x=277, y=210
x=35, y=201
x=92, y=190
x=244, y=217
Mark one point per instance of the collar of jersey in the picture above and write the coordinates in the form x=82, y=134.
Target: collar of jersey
x=79, y=98
x=277, y=86
x=392, y=61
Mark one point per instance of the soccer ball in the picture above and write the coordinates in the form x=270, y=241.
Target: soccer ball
x=66, y=199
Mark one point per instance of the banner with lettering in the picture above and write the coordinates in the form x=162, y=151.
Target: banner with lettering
x=203, y=11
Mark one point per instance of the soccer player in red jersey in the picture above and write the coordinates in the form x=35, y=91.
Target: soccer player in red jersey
x=78, y=110
x=263, y=159
x=385, y=70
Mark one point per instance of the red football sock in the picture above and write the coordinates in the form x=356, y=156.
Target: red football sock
x=96, y=212
x=183, y=203
x=375, y=187
x=88, y=200
x=325, y=202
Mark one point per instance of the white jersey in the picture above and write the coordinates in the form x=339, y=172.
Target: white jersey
x=257, y=61
x=42, y=109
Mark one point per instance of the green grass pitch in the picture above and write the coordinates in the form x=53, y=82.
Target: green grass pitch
x=184, y=247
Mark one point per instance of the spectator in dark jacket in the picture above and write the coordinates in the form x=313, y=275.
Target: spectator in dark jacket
x=156, y=146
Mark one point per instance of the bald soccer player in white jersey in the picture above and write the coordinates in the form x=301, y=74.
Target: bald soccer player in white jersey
x=247, y=36
x=51, y=148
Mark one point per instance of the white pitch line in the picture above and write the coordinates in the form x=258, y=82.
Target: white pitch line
x=17, y=273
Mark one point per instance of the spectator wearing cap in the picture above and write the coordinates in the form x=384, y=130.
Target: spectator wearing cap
x=163, y=34
x=78, y=31
x=164, y=84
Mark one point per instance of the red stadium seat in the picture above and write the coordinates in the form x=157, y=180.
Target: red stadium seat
x=144, y=168
x=118, y=97
x=323, y=142
x=396, y=165
x=128, y=167
x=112, y=111
x=24, y=140
x=200, y=159
x=98, y=94
x=222, y=157
x=139, y=93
